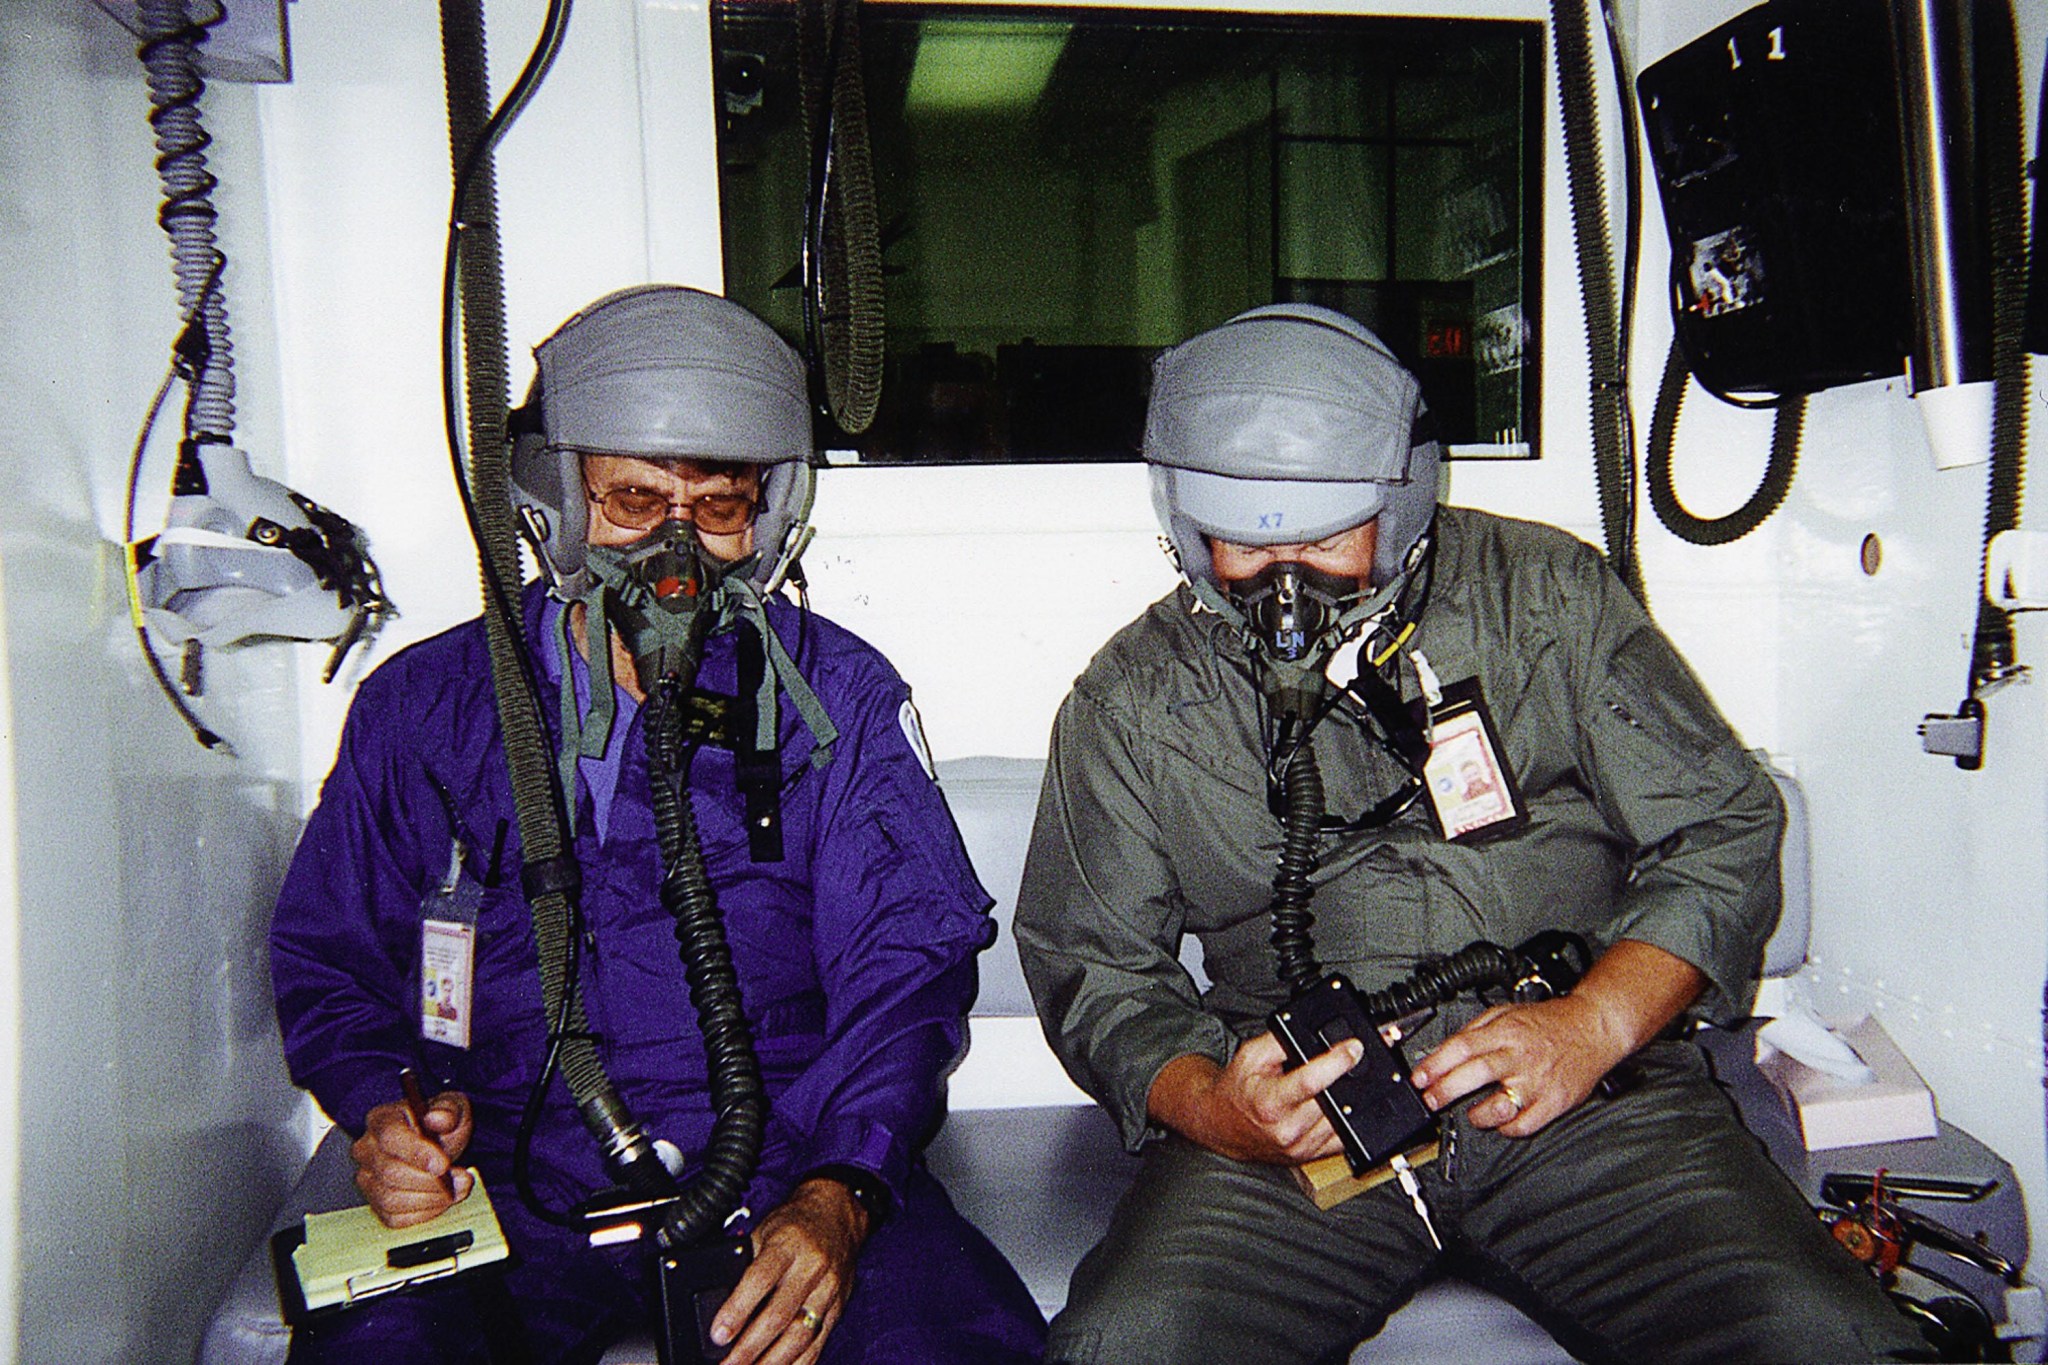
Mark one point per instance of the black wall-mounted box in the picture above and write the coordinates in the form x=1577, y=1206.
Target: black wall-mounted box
x=1775, y=144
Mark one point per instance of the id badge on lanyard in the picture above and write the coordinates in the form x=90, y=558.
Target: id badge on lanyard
x=1472, y=791
x=448, y=954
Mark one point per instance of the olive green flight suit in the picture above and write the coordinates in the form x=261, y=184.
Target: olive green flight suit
x=1644, y=1227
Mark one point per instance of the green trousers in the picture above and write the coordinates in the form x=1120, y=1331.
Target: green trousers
x=1646, y=1227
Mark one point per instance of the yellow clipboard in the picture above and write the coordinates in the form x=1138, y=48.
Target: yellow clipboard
x=335, y=1260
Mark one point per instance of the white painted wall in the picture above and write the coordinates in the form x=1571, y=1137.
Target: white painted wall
x=146, y=1129
x=606, y=181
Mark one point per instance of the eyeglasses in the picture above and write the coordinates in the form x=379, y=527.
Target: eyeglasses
x=643, y=509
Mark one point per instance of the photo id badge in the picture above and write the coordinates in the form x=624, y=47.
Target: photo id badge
x=1471, y=789
x=448, y=955
x=447, y=961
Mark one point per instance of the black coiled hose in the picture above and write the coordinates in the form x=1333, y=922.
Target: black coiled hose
x=1999, y=104
x=737, y=1097
x=841, y=250
x=1551, y=963
x=170, y=55
x=1301, y=786
x=1571, y=30
x=1475, y=966
x=1770, y=493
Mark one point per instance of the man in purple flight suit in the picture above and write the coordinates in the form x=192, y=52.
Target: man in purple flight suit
x=402, y=940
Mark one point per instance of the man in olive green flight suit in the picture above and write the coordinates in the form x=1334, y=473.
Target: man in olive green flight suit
x=1294, y=475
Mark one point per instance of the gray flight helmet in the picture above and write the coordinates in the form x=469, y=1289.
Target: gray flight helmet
x=659, y=372
x=1282, y=426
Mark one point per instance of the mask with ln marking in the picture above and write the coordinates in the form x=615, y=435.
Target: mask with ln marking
x=1295, y=618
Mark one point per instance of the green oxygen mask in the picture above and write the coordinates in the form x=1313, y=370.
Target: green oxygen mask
x=662, y=594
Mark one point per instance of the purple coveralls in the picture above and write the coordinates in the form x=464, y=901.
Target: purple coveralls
x=855, y=957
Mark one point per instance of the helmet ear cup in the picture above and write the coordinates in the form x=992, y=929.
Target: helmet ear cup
x=1190, y=545
x=548, y=481
x=787, y=491
x=1410, y=508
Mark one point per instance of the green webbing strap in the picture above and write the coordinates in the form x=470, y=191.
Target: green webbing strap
x=782, y=668
x=583, y=738
x=597, y=639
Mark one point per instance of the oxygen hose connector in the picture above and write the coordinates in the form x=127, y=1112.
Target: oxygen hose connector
x=628, y=1154
x=1548, y=965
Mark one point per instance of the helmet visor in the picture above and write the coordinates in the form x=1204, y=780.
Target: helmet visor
x=1273, y=511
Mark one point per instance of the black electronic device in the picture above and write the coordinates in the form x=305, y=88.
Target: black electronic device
x=1843, y=1188
x=1375, y=1110
x=1775, y=144
x=1373, y=1107
x=690, y=1284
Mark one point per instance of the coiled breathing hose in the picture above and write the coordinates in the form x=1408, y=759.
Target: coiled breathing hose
x=738, y=1100
x=1786, y=430
x=842, y=243
x=1472, y=967
x=473, y=294
x=1999, y=104
x=1293, y=944
x=1613, y=454
x=170, y=55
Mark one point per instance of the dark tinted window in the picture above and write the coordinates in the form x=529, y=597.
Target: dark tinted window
x=1063, y=192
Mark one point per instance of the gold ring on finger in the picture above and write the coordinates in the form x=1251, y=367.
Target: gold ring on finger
x=812, y=1319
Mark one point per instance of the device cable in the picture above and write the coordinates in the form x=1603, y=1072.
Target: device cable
x=207, y=737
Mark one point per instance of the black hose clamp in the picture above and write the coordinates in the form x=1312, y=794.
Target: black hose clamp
x=550, y=876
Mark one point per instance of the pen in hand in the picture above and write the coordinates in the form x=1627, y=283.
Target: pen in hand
x=416, y=1110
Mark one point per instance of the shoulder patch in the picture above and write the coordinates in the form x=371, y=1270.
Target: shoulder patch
x=913, y=731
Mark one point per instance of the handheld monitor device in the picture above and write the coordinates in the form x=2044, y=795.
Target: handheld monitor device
x=1376, y=1112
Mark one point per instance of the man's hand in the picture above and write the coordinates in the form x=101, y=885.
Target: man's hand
x=791, y=1296
x=400, y=1170
x=1545, y=1058
x=1254, y=1109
